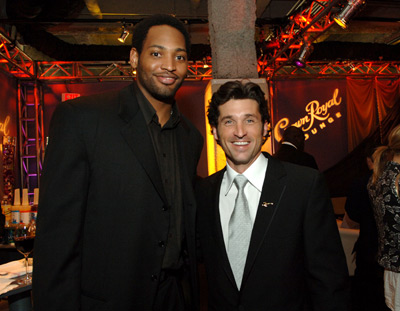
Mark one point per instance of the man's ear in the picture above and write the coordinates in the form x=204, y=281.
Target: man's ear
x=265, y=128
x=134, y=58
x=215, y=133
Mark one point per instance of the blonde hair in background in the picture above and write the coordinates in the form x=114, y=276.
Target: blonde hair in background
x=384, y=154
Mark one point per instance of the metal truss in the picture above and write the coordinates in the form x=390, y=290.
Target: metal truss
x=305, y=26
x=64, y=71
x=333, y=70
x=56, y=71
x=14, y=61
x=31, y=133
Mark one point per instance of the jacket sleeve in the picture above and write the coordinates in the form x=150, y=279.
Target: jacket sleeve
x=63, y=191
x=326, y=268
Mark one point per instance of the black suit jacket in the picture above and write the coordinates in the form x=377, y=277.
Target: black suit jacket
x=103, y=215
x=359, y=208
x=291, y=154
x=295, y=251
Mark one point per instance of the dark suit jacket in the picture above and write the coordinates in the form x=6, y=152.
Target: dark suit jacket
x=103, y=215
x=295, y=250
x=291, y=154
x=359, y=208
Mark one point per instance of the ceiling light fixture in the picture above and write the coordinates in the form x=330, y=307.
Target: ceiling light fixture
x=124, y=34
x=349, y=10
x=206, y=62
x=305, y=51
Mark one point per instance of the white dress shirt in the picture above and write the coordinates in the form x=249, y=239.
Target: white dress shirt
x=255, y=175
x=290, y=144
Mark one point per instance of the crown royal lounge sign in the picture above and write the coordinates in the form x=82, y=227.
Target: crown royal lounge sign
x=317, y=117
x=319, y=109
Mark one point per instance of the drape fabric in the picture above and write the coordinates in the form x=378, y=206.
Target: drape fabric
x=368, y=103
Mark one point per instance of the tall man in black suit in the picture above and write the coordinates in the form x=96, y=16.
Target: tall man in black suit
x=291, y=148
x=368, y=283
x=292, y=252
x=116, y=217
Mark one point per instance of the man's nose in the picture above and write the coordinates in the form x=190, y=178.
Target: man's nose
x=169, y=63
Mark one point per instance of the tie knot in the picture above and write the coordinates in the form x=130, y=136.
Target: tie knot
x=240, y=181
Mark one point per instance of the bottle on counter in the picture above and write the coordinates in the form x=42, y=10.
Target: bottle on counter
x=25, y=208
x=35, y=204
x=15, y=216
x=6, y=209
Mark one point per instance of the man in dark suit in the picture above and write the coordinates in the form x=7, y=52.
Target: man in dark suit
x=293, y=254
x=291, y=148
x=116, y=216
x=367, y=284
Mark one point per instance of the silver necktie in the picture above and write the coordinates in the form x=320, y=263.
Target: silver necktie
x=240, y=228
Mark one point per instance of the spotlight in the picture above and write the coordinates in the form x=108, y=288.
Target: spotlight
x=124, y=34
x=349, y=10
x=206, y=62
x=304, y=53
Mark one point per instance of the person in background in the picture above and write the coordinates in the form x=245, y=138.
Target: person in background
x=116, y=216
x=368, y=276
x=383, y=189
x=267, y=231
x=291, y=148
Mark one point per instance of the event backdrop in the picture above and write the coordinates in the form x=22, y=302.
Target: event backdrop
x=318, y=107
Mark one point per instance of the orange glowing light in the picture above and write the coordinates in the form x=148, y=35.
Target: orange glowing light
x=340, y=22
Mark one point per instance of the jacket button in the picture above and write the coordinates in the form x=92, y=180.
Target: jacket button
x=161, y=243
x=165, y=208
x=154, y=277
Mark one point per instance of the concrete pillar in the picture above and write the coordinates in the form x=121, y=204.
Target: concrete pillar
x=232, y=38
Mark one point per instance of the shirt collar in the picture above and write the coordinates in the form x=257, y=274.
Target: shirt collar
x=149, y=112
x=255, y=174
x=290, y=144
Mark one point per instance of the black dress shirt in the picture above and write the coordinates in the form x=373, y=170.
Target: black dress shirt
x=166, y=150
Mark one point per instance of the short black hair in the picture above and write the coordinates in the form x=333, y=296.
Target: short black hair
x=140, y=31
x=295, y=136
x=237, y=90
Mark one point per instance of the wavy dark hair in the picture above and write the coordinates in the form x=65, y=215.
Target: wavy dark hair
x=140, y=31
x=237, y=90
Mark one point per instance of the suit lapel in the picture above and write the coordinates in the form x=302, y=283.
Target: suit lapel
x=185, y=164
x=216, y=218
x=138, y=138
x=273, y=190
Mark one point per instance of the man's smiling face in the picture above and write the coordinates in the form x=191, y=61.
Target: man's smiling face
x=240, y=132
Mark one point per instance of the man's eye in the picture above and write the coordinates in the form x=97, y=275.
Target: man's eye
x=181, y=57
x=155, y=54
x=249, y=121
x=228, y=122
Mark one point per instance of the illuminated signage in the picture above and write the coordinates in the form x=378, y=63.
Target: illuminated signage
x=317, y=117
x=4, y=125
x=68, y=96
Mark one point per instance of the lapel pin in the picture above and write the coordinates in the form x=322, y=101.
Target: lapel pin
x=266, y=204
